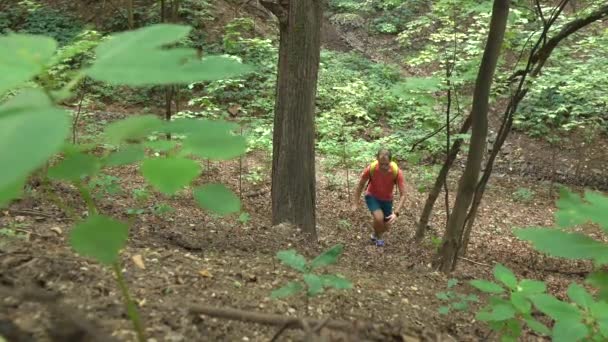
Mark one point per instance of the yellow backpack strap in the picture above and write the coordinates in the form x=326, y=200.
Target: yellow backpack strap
x=395, y=169
x=372, y=167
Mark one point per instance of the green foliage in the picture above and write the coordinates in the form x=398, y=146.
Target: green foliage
x=524, y=195
x=99, y=237
x=456, y=301
x=217, y=198
x=315, y=283
x=32, y=17
x=567, y=97
x=585, y=315
x=118, y=63
x=31, y=53
x=573, y=211
x=169, y=175
x=33, y=130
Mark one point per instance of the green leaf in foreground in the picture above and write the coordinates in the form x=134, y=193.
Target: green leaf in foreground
x=100, y=238
x=565, y=245
x=537, y=326
x=555, y=308
x=169, y=175
x=31, y=131
x=528, y=286
x=217, y=198
x=332, y=280
x=132, y=128
x=498, y=312
x=23, y=57
x=487, y=286
x=505, y=275
x=314, y=283
x=328, y=257
x=579, y=295
x=74, y=166
x=290, y=289
x=214, y=140
x=569, y=331
x=152, y=63
x=11, y=192
x=126, y=155
x=292, y=259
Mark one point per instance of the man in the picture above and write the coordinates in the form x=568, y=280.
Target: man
x=382, y=176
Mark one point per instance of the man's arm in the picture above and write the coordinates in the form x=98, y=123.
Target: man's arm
x=362, y=181
x=401, y=184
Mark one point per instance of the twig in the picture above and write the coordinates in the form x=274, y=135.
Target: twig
x=280, y=332
x=257, y=193
x=475, y=262
x=83, y=92
x=432, y=134
x=30, y=212
x=271, y=319
x=320, y=325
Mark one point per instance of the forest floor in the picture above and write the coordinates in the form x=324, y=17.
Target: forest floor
x=192, y=259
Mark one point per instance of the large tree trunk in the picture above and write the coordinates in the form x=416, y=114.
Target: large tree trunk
x=293, y=160
x=448, y=253
x=439, y=182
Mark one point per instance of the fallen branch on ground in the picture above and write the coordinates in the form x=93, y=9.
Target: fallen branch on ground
x=257, y=193
x=278, y=320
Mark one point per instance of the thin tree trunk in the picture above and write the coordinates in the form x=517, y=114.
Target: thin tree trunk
x=293, y=163
x=448, y=254
x=539, y=54
x=162, y=11
x=441, y=177
x=130, y=19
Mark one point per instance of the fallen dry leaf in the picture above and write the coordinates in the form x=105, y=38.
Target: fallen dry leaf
x=205, y=273
x=57, y=230
x=139, y=261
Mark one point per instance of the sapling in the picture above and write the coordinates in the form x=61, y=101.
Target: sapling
x=314, y=284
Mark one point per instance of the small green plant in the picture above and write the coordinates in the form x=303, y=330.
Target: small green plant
x=314, y=284
x=140, y=195
x=255, y=175
x=162, y=209
x=344, y=224
x=584, y=317
x=244, y=218
x=105, y=185
x=456, y=301
x=436, y=241
x=524, y=195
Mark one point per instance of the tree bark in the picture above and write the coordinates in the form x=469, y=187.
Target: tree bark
x=448, y=254
x=439, y=181
x=293, y=160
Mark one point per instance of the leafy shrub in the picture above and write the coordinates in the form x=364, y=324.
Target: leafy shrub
x=350, y=20
x=585, y=315
x=350, y=6
x=456, y=301
x=313, y=283
x=523, y=195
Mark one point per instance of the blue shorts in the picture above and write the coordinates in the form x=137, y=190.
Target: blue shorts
x=374, y=204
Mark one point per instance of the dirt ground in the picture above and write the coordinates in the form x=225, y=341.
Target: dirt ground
x=192, y=259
